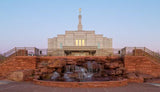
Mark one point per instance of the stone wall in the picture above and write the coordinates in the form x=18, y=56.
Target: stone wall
x=133, y=64
x=142, y=64
x=17, y=63
x=21, y=75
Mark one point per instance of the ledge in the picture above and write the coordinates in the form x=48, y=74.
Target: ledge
x=95, y=84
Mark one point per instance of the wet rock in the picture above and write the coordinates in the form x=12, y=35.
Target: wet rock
x=110, y=72
x=118, y=72
x=114, y=65
x=56, y=63
x=89, y=59
x=44, y=69
x=82, y=69
x=71, y=62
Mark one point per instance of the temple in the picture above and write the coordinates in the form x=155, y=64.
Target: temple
x=80, y=43
x=93, y=62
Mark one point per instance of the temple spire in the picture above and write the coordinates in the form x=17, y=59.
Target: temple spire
x=80, y=17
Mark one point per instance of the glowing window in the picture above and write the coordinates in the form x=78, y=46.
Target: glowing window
x=76, y=42
x=83, y=44
x=79, y=42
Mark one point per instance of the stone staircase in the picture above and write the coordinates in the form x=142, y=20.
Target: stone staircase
x=142, y=51
x=12, y=53
x=153, y=55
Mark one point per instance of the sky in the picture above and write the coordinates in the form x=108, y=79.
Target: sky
x=29, y=23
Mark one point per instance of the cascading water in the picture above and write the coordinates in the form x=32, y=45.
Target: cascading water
x=86, y=71
x=77, y=73
x=55, y=75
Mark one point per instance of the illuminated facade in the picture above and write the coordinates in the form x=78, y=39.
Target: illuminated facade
x=80, y=43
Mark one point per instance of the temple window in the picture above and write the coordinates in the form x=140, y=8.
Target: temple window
x=76, y=42
x=83, y=44
x=80, y=42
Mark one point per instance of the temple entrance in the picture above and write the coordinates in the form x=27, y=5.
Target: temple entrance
x=80, y=53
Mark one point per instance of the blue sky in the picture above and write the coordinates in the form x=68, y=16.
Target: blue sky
x=29, y=23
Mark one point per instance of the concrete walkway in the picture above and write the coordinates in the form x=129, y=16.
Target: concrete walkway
x=5, y=82
x=8, y=86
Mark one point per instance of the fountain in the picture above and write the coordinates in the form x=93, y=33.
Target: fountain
x=54, y=76
x=83, y=70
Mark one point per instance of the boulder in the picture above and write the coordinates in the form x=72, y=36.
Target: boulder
x=132, y=77
x=118, y=71
x=114, y=65
x=110, y=72
x=71, y=62
x=44, y=69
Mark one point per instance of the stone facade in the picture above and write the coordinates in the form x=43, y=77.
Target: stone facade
x=80, y=43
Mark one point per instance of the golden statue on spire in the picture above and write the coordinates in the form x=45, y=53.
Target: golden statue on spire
x=79, y=10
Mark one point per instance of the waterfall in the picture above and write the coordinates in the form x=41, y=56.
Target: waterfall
x=55, y=75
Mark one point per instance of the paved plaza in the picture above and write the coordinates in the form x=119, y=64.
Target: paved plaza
x=9, y=86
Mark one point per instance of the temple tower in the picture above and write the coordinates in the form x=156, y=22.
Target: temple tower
x=80, y=24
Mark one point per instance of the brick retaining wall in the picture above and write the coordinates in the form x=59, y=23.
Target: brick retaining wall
x=17, y=63
x=142, y=64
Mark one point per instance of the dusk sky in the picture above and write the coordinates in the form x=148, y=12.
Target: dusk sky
x=29, y=23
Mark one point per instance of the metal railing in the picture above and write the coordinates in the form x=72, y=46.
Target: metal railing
x=23, y=51
x=31, y=51
x=140, y=51
x=127, y=51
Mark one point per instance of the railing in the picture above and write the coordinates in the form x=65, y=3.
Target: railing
x=10, y=52
x=140, y=51
x=31, y=51
x=23, y=51
x=127, y=51
x=117, y=52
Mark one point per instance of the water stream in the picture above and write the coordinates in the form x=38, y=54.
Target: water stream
x=78, y=73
